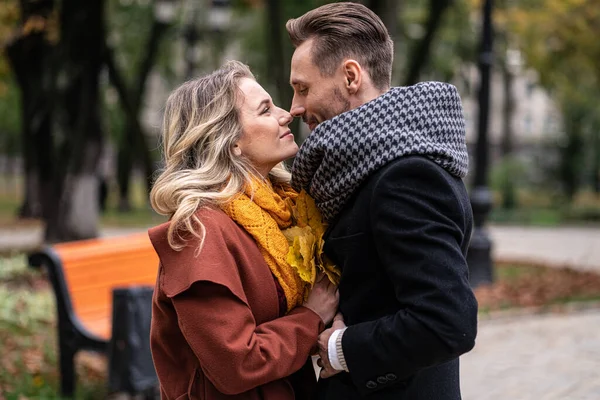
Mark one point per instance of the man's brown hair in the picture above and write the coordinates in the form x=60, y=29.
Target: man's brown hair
x=342, y=30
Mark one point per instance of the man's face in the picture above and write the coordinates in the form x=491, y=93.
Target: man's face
x=317, y=98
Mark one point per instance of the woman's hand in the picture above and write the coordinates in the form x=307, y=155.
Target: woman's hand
x=323, y=298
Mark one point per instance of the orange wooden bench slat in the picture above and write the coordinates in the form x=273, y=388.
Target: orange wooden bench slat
x=93, y=268
x=92, y=282
x=99, y=325
x=99, y=297
x=109, y=269
x=74, y=251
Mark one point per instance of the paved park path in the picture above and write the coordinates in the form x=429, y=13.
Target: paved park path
x=574, y=247
x=552, y=356
x=535, y=357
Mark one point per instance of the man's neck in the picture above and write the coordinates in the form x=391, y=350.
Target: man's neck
x=366, y=96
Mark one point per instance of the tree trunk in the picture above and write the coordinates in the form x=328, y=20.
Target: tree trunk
x=570, y=164
x=389, y=12
x=28, y=55
x=508, y=112
x=509, y=191
x=134, y=144
x=159, y=29
x=420, y=54
x=125, y=162
x=596, y=157
x=31, y=207
x=75, y=190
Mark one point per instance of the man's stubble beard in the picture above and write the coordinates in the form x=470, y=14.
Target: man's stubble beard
x=341, y=103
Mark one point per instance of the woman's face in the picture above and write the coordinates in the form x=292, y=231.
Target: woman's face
x=266, y=139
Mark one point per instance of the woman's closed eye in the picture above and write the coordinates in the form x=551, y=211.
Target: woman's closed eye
x=266, y=110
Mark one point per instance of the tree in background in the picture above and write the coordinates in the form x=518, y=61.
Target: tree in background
x=134, y=27
x=10, y=141
x=433, y=42
x=56, y=50
x=420, y=51
x=55, y=54
x=559, y=40
x=70, y=186
x=32, y=37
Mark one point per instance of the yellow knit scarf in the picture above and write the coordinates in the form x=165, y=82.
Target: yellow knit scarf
x=263, y=211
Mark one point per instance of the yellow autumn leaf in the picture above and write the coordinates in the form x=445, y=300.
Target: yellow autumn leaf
x=308, y=213
x=301, y=256
x=332, y=276
x=301, y=211
x=306, y=242
x=291, y=205
x=330, y=269
x=295, y=231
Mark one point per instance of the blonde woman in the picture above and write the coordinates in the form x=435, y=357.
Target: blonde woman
x=230, y=319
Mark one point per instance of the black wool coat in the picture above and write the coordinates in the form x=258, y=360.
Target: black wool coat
x=401, y=242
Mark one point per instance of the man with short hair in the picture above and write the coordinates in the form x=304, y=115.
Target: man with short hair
x=385, y=167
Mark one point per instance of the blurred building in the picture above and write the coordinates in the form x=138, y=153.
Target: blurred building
x=534, y=120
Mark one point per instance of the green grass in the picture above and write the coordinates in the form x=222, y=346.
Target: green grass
x=569, y=215
x=521, y=216
x=139, y=217
x=8, y=209
x=28, y=366
x=539, y=208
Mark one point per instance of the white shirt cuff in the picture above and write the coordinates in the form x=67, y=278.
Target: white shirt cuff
x=332, y=350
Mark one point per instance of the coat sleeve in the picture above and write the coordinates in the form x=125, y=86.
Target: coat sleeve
x=418, y=224
x=234, y=352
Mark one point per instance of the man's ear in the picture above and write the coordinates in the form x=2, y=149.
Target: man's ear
x=237, y=151
x=353, y=75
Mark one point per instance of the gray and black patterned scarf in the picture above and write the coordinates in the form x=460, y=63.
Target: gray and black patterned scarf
x=425, y=119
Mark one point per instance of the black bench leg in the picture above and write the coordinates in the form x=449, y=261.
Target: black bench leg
x=67, y=371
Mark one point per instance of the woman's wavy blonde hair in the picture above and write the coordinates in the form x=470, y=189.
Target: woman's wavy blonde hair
x=201, y=125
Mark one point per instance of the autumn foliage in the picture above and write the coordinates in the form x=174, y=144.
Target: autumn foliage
x=306, y=242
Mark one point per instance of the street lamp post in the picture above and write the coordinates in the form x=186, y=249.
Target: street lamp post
x=479, y=256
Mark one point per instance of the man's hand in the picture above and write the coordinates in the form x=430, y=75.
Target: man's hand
x=323, y=344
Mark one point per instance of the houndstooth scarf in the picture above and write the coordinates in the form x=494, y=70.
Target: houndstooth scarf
x=425, y=119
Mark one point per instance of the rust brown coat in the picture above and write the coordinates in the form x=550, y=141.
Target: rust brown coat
x=215, y=330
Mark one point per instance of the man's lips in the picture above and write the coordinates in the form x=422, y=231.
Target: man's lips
x=310, y=122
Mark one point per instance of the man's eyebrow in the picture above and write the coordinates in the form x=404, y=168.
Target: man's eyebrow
x=296, y=81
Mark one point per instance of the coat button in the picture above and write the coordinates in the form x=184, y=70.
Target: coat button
x=371, y=385
x=382, y=379
x=391, y=377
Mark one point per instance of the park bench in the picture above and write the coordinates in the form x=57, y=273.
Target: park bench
x=83, y=275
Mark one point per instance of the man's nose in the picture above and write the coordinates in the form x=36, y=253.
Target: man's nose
x=297, y=109
x=285, y=118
